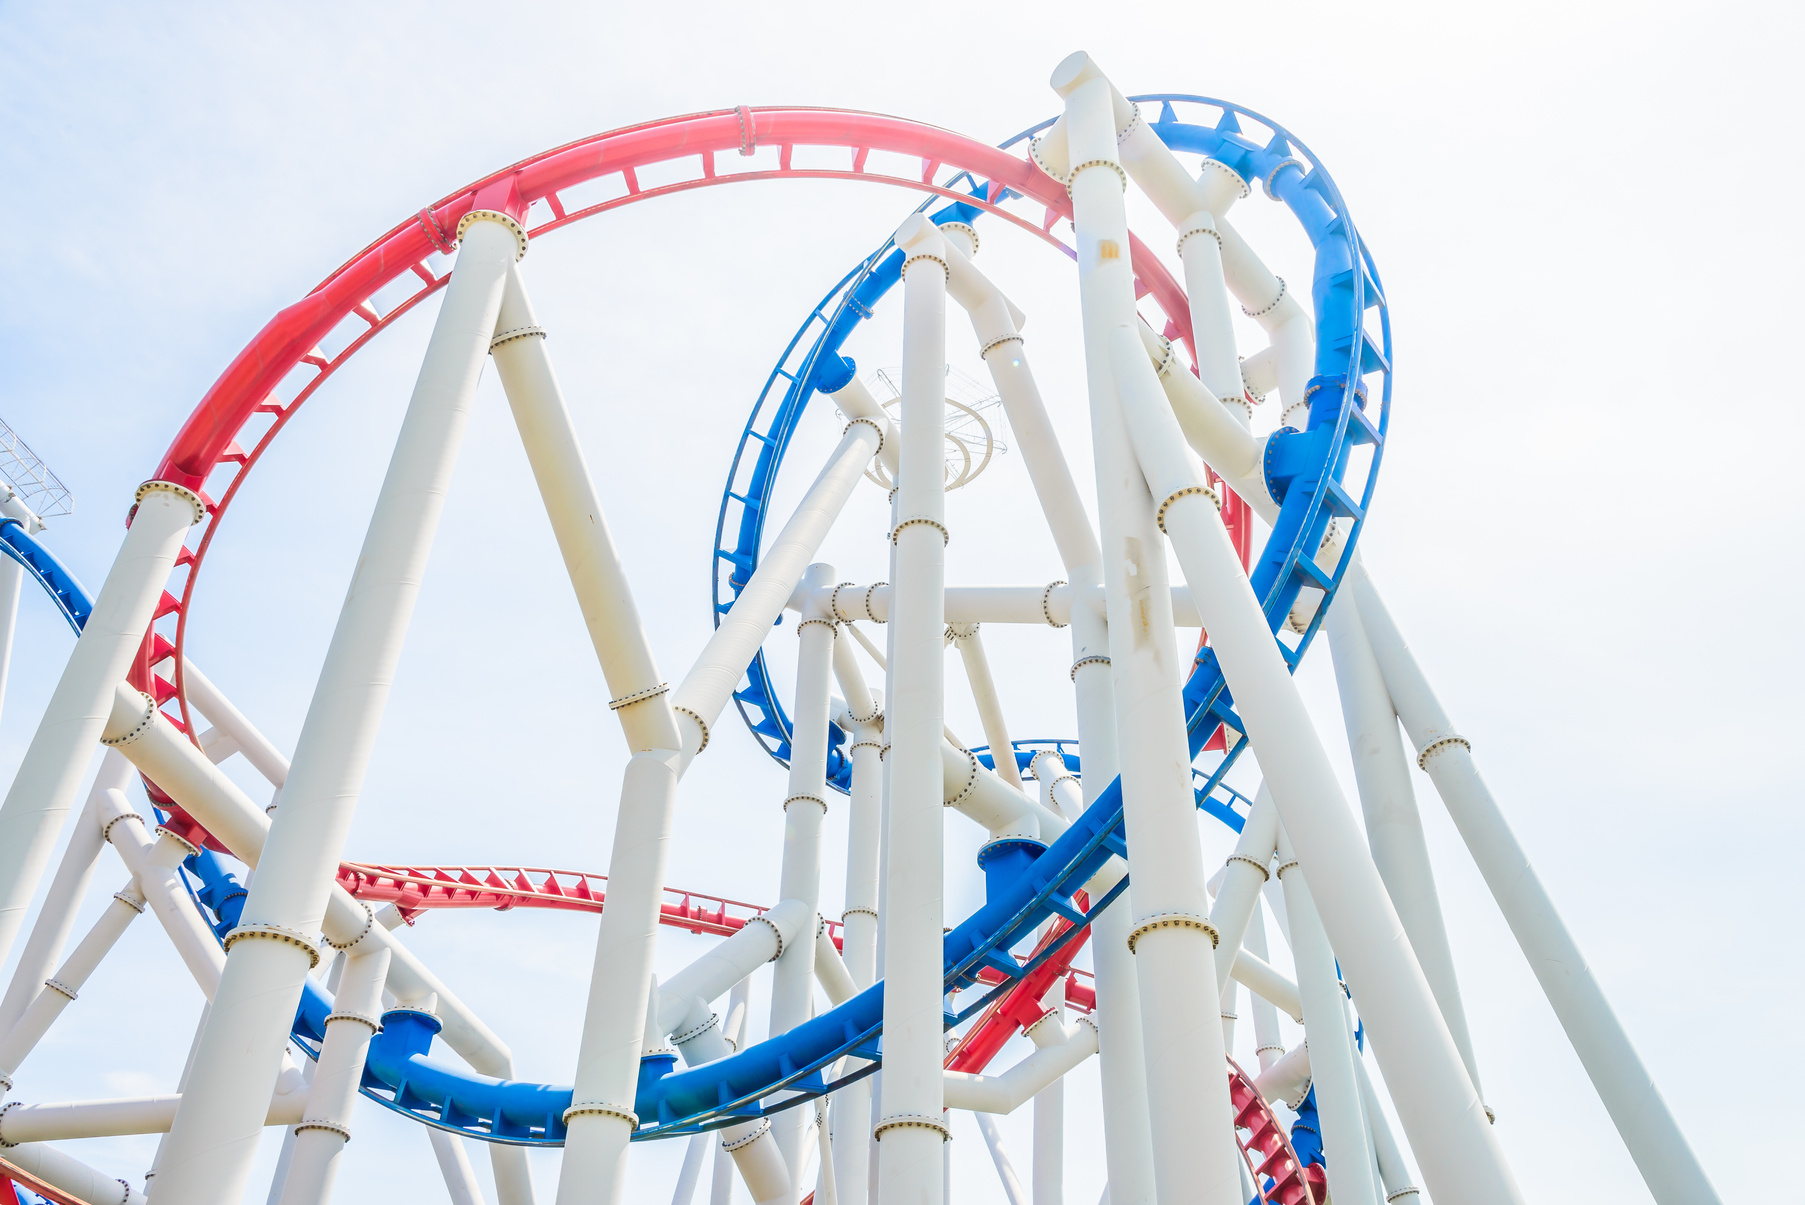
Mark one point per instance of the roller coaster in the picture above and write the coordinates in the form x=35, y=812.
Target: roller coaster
x=1254, y=473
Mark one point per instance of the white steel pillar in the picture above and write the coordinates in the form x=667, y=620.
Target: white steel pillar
x=1267, y=1047
x=1049, y=1122
x=1656, y=1143
x=1338, y=1106
x=590, y=558
x=1394, y=828
x=1127, y=1145
x=214, y=1137
x=326, y=1126
x=1438, y=1104
x=804, y=808
x=1122, y=1066
x=58, y=756
x=990, y=708
x=716, y=673
x=60, y=990
x=852, y=1104
x=910, y=1132
x=1194, y=1155
x=454, y=1166
x=56, y=916
x=628, y=932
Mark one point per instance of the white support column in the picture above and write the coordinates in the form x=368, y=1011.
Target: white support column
x=214, y=1138
x=1394, y=1176
x=1122, y=1065
x=153, y=864
x=1394, y=828
x=1267, y=1046
x=1243, y=876
x=1332, y=1054
x=326, y=1126
x=56, y=916
x=998, y=327
x=1194, y=1154
x=1048, y=1173
x=454, y=1165
x=12, y=577
x=1439, y=1107
x=57, y=758
x=852, y=1104
x=60, y=990
x=804, y=808
x=990, y=708
x=593, y=564
x=716, y=674
x=55, y=1167
x=910, y=1131
x=999, y=1155
x=1656, y=1143
x=601, y=1119
x=691, y=1171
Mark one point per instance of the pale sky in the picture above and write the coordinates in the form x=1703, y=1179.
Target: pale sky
x=1585, y=523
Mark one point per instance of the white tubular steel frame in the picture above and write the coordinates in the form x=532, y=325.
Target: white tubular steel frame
x=1180, y=472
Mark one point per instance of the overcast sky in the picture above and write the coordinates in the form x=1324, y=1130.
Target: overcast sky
x=1587, y=521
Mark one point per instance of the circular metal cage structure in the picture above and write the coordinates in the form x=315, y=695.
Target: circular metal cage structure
x=1092, y=849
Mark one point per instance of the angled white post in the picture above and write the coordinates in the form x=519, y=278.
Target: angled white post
x=51, y=771
x=1654, y=1139
x=214, y=1137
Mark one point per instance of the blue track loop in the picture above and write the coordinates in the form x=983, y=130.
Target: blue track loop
x=71, y=600
x=1305, y=470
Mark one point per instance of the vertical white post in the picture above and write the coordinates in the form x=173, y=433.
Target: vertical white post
x=12, y=577
x=910, y=1132
x=1660, y=1150
x=1049, y=1123
x=601, y=1119
x=1267, y=1047
x=321, y=1136
x=1122, y=1066
x=1394, y=828
x=214, y=1137
x=44, y=786
x=804, y=808
x=1332, y=1054
x=852, y=1104
x=1194, y=1155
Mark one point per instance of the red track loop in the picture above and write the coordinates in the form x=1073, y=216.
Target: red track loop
x=285, y=363
x=417, y=889
x=1267, y=1150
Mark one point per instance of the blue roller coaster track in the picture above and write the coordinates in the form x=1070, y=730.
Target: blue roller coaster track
x=1305, y=475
